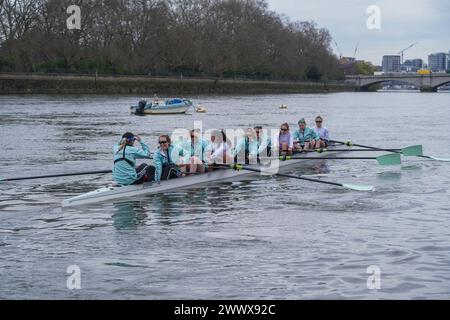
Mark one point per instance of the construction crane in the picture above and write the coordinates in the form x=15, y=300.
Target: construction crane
x=401, y=52
x=339, y=50
x=356, y=49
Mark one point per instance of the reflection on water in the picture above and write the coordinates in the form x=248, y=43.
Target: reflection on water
x=128, y=215
x=268, y=237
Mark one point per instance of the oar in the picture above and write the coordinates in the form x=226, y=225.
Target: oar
x=322, y=150
x=56, y=175
x=408, y=151
x=345, y=185
x=384, y=160
x=411, y=151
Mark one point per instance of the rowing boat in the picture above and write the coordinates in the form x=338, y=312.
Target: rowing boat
x=220, y=175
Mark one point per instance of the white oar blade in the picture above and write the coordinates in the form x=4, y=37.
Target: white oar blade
x=439, y=159
x=357, y=187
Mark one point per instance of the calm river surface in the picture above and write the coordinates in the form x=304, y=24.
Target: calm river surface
x=268, y=238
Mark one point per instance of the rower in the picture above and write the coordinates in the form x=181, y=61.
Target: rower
x=305, y=138
x=248, y=144
x=262, y=141
x=125, y=155
x=285, y=140
x=168, y=159
x=219, y=148
x=198, y=148
x=321, y=132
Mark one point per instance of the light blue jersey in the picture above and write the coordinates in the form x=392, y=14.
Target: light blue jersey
x=174, y=155
x=124, y=171
x=305, y=136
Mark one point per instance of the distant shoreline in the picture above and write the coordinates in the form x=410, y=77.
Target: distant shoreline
x=11, y=83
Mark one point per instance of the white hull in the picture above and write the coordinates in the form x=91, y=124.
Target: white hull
x=220, y=175
x=165, y=110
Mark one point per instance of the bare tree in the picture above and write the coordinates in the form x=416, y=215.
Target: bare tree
x=224, y=38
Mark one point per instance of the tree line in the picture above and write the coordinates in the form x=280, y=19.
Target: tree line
x=218, y=38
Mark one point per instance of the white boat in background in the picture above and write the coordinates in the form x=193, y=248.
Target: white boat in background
x=219, y=175
x=171, y=106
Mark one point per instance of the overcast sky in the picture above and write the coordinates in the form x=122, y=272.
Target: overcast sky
x=403, y=22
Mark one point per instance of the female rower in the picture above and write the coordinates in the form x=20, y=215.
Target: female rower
x=263, y=142
x=125, y=155
x=305, y=138
x=247, y=146
x=197, y=147
x=219, y=148
x=285, y=140
x=321, y=132
x=168, y=159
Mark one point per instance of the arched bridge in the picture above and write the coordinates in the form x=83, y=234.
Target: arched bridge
x=424, y=82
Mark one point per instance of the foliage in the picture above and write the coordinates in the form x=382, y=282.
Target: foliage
x=365, y=68
x=220, y=38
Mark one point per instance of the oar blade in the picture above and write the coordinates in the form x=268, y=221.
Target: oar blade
x=413, y=151
x=389, y=159
x=358, y=187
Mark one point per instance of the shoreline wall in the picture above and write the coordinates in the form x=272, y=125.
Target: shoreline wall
x=86, y=84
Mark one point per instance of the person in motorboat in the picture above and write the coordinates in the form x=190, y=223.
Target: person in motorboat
x=305, y=138
x=285, y=140
x=321, y=132
x=125, y=171
x=169, y=160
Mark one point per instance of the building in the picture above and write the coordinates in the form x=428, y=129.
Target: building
x=437, y=62
x=448, y=61
x=412, y=65
x=391, y=63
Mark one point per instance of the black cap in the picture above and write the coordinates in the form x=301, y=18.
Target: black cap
x=128, y=135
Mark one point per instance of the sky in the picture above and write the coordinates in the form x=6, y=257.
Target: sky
x=402, y=23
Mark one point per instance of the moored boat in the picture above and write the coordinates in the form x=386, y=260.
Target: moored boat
x=170, y=106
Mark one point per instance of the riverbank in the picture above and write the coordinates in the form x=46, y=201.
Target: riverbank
x=85, y=84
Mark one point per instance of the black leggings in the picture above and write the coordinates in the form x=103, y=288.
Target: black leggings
x=170, y=171
x=144, y=173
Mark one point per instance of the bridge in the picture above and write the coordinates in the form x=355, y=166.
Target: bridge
x=426, y=83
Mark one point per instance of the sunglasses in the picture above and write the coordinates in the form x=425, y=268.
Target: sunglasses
x=284, y=129
x=319, y=121
x=162, y=142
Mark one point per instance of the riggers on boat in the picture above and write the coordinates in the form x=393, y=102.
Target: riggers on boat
x=219, y=175
x=170, y=106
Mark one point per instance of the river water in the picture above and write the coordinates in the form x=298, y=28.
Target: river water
x=268, y=238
